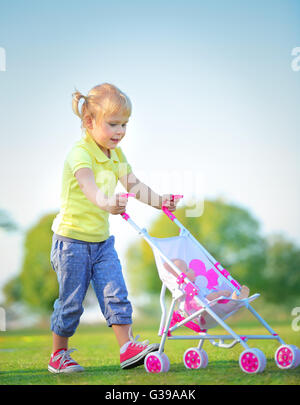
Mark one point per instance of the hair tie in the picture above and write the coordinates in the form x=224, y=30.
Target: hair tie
x=81, y=101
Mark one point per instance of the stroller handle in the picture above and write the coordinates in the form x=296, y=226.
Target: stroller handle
x=128, y=195
x=166, y=211
x=124, y=215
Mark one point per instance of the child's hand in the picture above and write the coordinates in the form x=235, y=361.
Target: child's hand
x=117, y=204
x=169, y=202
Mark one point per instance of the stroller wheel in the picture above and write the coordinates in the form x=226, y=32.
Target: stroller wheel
x=252, y=361
x=156, y=362
x=166, y=362
x=287, y=357
x=195, y=358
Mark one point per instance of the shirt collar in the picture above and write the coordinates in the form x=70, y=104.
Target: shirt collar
x=97, y=152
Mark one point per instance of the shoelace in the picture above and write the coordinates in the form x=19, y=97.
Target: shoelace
x=137, y=343
x=65, y=357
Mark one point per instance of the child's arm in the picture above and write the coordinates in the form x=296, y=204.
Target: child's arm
x=86, y=180
x=144, y=193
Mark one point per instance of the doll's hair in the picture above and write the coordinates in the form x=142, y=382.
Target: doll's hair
x=102, y=100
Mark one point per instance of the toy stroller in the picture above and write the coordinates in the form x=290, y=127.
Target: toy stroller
x=189, y=307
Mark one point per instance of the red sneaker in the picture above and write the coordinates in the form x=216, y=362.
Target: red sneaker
x=136, y=352
x=61, y=362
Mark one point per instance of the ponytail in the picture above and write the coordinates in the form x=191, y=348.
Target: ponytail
x=76, y=97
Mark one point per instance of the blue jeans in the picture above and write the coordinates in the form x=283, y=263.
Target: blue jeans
x=77, y=263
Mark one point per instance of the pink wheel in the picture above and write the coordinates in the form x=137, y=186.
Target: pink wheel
x=287, y=357
x=156, y=362
x=252, y=361
x=195, y=358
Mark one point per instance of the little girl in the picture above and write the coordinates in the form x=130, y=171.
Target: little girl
x=82, y=249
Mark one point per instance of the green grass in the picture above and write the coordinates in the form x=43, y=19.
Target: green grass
x=24, y=356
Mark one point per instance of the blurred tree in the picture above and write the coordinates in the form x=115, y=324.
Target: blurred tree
x=13, y=291
x=282, y=273
x=36, y=286
x=230, y=233
x=6, y=222
x=13, y=286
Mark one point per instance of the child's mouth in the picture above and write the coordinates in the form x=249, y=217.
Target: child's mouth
x=115, y=140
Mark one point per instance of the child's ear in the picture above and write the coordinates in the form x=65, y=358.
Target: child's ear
x=88, y=122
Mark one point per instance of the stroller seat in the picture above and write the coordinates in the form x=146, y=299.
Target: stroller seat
x=207, y=280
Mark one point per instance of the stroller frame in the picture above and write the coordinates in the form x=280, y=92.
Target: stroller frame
x=166, y=324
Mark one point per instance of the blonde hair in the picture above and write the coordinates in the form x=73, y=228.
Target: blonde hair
x=102, y=100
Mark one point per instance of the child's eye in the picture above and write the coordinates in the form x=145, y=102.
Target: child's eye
x=113, y=125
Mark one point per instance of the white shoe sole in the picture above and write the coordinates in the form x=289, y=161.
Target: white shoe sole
x=70, y=369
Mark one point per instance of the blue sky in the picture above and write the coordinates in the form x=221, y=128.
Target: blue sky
x=215, y=100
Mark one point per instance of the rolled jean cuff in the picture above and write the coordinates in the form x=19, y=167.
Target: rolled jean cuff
x=58, y=332
x=119, y=320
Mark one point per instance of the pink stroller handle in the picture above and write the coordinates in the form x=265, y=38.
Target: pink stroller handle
x=166, y=211
x=128, y=195
x=124, y=214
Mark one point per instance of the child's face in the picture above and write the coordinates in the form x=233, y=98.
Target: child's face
x=109, y=131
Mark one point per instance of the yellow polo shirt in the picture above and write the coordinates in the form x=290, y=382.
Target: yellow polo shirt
x=79, y=218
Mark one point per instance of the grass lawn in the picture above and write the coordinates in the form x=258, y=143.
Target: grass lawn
x=24, y=356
